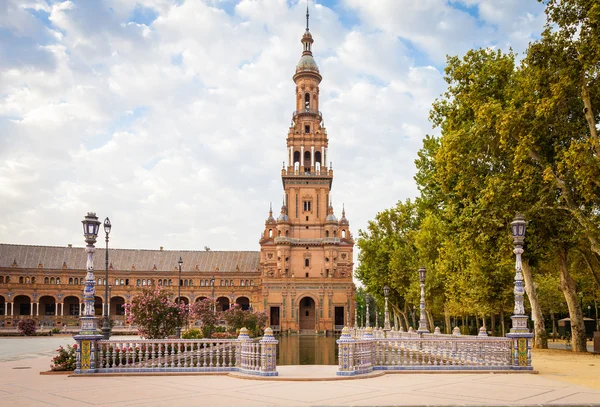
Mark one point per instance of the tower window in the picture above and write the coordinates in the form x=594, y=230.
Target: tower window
x=307, y=101
x=307, y=207
x=326, y=233
x=307, y=218
x=306, y=262
x=306, y=274
x=307, y=128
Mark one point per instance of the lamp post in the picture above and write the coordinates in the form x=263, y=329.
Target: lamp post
x=355, y=314
x=106, y=326
x=376, y=315
x=367, y=323
x=386, y=320
x=519, y=319
x=180, y=262
x=422, y=316
x=212, y=286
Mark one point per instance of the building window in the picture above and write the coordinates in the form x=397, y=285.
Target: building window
x=307, y=206
x=57, y=280
x=307, y=128
x=306, y=262
x=306, y=274
x=71, y=280
x=307, y=101
x=242, y=283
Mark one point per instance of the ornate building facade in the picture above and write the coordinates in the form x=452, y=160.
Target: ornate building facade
x=302, y=276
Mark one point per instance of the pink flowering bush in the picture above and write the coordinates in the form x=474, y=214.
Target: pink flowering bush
x=204, y=311
x=27, y=327
x=236, y=318
x=65, y=360
x=154, y=314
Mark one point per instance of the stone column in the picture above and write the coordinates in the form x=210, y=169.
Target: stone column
x=12, y=309
x=301, y=158
x=323, y=156
x=62, y=309
x=37, y=306
x=312, y=156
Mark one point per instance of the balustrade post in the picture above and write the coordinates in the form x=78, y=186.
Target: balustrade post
x=345, y=353
x=268, y=354
x=239, y=357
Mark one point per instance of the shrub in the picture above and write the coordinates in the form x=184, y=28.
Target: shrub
x=193, y=333
x=155, y=315
x=55, y=330
x=236, y=318
x=204, y=311
x=27, y=327
x=223, y=335
x=65, y=360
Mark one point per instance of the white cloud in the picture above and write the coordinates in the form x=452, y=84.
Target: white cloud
x=176, y=129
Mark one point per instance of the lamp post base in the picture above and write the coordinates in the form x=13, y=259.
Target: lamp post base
x=106, y=330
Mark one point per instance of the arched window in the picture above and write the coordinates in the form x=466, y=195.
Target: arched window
x=307, y=160
x=334, y=233
x=160, y=283
x=226, y=283
x=1, y=279
x=170, y=282
x=21, y=279
x=221, y=282
x=57, y=280
x=99, y=281
x=26, y=280
x=201, y=283
x=326, y=233
x=185, y=283
x=71, y=280
x=126, y=281
x=8, y=280
x=251, y=282
x=143, y=282
x=123, y=282
x=51, y=280
x=296, y=156
x=138, y=282
x=242, y=283
x=116, y=281
x=306, y=262
x=287, y=233
x=270, y=232
x=247, y=283
x=307, y=101
x=318, y=157
x=279, y=233
x=76, y=281
x=231, y=283
x=46, y=280
x=32, y=280
x=343, y=233
x=191, y=283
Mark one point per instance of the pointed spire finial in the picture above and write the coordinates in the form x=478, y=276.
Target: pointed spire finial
x=306, y=15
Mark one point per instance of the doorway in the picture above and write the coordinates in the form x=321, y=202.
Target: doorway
x=307, y=313
x=339, y=318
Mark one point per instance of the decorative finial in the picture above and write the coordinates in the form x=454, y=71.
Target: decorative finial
x=306, y=15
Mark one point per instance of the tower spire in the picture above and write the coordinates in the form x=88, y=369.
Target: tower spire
x=307, y=15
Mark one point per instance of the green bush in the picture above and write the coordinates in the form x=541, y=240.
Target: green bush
x=55, y=330
x=192, y=333
x=65, y=360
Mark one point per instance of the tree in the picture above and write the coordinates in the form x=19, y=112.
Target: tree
x=155, y=314
x=27, y=327
x=205, y=312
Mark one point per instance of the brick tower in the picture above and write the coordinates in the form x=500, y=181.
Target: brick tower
x=306, y=253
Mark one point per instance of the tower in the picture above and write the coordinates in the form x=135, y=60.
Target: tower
x=307, y=253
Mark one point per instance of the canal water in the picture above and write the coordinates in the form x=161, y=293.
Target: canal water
x=307, y=350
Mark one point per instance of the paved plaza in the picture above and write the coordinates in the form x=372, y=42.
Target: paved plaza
x=22, y=385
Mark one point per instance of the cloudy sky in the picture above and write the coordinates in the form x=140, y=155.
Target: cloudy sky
x=170, y=116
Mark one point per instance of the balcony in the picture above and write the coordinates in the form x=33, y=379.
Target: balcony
x=304, y=242
x=311, y=112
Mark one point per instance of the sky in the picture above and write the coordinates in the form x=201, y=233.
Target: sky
x=170, y=117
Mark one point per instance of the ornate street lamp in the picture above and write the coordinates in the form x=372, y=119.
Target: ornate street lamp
x=355, y=314
x=422, y=316
x=180, y=262
x=519, y=332
x=376, y=315
x=106, y=326
x=386, y=321
x=367, y=298
x=519, y=319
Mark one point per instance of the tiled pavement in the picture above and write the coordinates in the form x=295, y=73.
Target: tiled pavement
x=22, y=385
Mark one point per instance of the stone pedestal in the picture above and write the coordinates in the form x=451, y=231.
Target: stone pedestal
x=521, y=350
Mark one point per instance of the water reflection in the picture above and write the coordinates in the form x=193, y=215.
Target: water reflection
x=307, y=350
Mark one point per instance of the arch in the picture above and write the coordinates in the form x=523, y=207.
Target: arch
x=47, y=305
x=242, y=283
x=307, y=160
x=251, y=282
x=307, y=312
x=143, y=282
x=7, y=280
x=278, y=233
x=201, y=283
x=318, y=157
x=343, y=233
x=334, y=233
x=243, y=302
x=51, y=280
x=231, y=283
x=99, y=281
x=46, y=280
x=138, y=282
x=170, y=282
x=191, y=283
x=306, y=262
x=21, y=280
x=71, y=280
x=287, y=233
x=126, y=281
x=71, y=304
x=1, y=279
x=32, y=280
x=201, y=298
x=27, y=280
x=184, y=300
x=22, y=305
x=326, y=233
x=307, y=101
x=270, y=232
x=57, y=280
x=296, y=157
x=222, y=304
x=117, y=305
x=76, y=282
x=2, y=305
x=185, y=283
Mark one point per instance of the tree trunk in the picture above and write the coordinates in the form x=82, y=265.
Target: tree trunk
x=430, y=321
x=476, y=323
x=569, y=289
x=502, y=323
x=448, y=327
x=541, y=337
x=493, y=324
x=553, y=326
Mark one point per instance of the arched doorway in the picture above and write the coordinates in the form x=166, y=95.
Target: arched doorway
x=71, y=305
x=3, y=309
x=184, y=300
x=97, y=306
x=222, y=304
x=307, y=313
x=116, y=306
x=47, y=305
x=243, y=302
x=22, y=305
x=200, y=299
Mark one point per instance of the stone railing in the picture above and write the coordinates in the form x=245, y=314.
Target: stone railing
x=393, y=350
x=243, y=354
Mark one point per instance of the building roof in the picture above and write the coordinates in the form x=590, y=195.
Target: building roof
x=53, y=257
x=307, y=62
